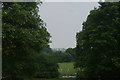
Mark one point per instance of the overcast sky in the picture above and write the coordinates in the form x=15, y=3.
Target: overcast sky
x=64, y=20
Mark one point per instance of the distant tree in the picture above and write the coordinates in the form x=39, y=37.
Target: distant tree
x=64, y=56
x=47, y=50
x=98, y=44
x=71, y=52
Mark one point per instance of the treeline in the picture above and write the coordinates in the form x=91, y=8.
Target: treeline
x=24, y=37
x=98, y=44
x=60, y=56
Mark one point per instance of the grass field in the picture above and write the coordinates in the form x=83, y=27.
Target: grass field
x=66, y=68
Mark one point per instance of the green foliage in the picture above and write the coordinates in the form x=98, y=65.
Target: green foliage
x=64, y=56
x=98, y=44
x=71, y=52
x=45, y=67
x=24, y=37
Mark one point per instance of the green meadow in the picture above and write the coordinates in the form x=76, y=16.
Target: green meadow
x=67, y=68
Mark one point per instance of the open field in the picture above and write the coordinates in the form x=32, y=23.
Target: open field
x=67, y=68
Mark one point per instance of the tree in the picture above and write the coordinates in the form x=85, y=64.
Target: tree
x=64, y=56
x=98, y=44
x=24, y=37
x=71, y=53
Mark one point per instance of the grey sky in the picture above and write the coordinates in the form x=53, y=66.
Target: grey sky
x=64, y=19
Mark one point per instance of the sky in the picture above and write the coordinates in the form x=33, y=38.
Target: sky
x=64, y=20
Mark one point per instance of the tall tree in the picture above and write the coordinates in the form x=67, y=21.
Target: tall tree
x=98, y=44
x=24, y=37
